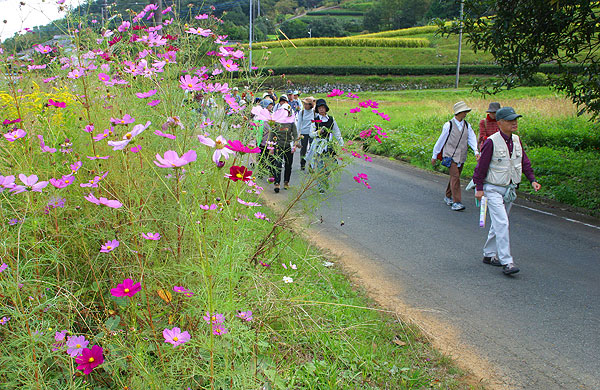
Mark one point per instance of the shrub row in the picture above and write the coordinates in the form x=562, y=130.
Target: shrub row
x=435, y=70
x=335, y=12
x=402, y=32
x=351, y=41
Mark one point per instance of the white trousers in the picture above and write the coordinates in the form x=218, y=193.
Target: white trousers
x=498, y=241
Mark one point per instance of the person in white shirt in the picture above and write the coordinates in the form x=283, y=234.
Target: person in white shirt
x=451, y=148
x=305, y=125
x=324, y=133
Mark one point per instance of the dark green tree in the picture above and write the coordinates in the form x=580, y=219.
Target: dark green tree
x=294, y=29
x=523, y=35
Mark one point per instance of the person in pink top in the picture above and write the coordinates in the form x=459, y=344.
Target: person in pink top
x=488, y=126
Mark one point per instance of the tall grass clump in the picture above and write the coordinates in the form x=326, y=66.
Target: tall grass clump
x=134, y=250
x=350, y=42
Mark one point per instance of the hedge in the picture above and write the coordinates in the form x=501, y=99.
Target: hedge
x=402, y=32
x=409, y=70
x=349, y=41
x=335, y=12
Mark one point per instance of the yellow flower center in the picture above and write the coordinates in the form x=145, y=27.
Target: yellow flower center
x=219, y=145
x=108, y=247
x=218, y=331
x=128, y=135
x=126, y=290
x=213, y=318
x=67, y=181
x=97, y=156
x=190, y=85
x=175, y=338
x=91, y=360
x=239, y=176
x=78, y=346
x=122, y=121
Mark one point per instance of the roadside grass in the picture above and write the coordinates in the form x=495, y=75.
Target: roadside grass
x=564, y=148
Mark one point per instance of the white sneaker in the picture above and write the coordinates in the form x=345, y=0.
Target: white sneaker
x=458, y=206
x=448, y=201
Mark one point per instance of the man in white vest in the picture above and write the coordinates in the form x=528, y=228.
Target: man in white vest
x=452, y=147
x=497, y=175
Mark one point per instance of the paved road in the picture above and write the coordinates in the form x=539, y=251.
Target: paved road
x=540, y=327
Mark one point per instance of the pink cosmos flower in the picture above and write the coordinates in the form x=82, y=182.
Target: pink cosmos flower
x=76, y=344
x=94, y=182
x=166, y=135
x=98, y=157
x=151, y=236
x=76, y=73
x=335, y=92
x=214, y=318
x=127, y=288
x=45, y=149
x=217, y=72
x=4, y=320
x=124, y=26
x=56, y=104
x=207, y=122
x=3, y=267
x=143, y=95
x=250, y=204
x=190, y=83
x=201, y=17
x=14, y=135
x=175, y=336
x=6, y=182
x=279, y=116
x=219, y=145
x=229, y=65
x=136, y=149
x=63, y=182
x=368, y=158
x=115, y=204
x=219, y=330
x=237, y=146
x=183, y=290
x=109, y=246
x=49, y=79
x=172, y=121
x=43, y=49
x=90, y=359
x=199, y=31
x=89, y=128
x=153, y=103
x=354, y=110
x=260, y=215
x=31, y=184
x=172, y=160
x=127, y=119
x=104, y=134
x=245, y=315
x=206, y=207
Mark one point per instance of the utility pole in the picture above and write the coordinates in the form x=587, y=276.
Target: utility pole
x=258, y=13
x=157, y=15
x=250, y=39
x=460, y=34
x=104, y=11
x=310, y=32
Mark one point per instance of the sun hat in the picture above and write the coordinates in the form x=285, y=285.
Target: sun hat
x=284, y=97
x=322, y=102
x=289, y=92
x=296, y=92
x=461, y=107
x=493, y=107
x=507, y=114
x=265, y=94
x=265, y=103
x=308, y=99
x=235, y=89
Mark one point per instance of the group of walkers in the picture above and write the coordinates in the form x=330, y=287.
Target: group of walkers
x=501, y=161
x=308, y=126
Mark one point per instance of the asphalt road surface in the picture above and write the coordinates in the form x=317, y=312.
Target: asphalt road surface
x=540, y=328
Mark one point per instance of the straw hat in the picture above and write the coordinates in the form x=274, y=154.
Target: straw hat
x=308, y=99
x=461, y=107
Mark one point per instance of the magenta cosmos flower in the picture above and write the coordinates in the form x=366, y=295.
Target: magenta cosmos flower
x=245, y=315
x=219, y=145
x=90, y=359
x=127, y=288
x=151, y=236
x=115, y=204
x=143, y=95
x=214, y=318
x=109, y=246
x=237, y=146
x=219, y=330
x=31, y=184
x=172, y=160
x=56, y=104
x=65, y=181
x=76, y=344
x=175, y=336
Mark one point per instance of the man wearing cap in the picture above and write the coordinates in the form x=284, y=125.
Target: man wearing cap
x=488, y=126
x=294, y=102
x=497, y=175
x=305, y=125
x=452, y=145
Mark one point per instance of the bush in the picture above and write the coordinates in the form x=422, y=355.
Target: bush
x=352, y=41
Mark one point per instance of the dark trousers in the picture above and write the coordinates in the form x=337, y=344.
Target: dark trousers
x=285, y=157
x=453, y=190
x=304, y=143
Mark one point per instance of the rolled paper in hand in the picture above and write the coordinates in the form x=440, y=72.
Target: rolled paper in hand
x=482, y=211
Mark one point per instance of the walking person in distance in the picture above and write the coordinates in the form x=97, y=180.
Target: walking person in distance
x=451, y=148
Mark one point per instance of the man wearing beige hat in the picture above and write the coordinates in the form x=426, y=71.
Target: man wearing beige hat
x=451, y=148
x=305, y=124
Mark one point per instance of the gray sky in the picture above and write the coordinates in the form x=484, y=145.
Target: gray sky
x=33, y=13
